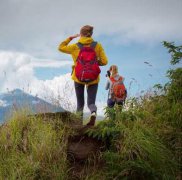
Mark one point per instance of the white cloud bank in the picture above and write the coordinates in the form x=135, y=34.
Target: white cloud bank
x=17, y=71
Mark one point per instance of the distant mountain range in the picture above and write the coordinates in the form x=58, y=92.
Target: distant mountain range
x=17, y=99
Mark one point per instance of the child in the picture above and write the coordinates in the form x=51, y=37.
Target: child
x=117, y=91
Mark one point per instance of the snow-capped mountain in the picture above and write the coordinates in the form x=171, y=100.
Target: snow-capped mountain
x=17, y=98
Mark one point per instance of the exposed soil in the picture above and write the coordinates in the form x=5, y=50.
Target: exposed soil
x=83, y=152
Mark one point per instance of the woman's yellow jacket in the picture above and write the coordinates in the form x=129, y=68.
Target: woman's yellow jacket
x=73, y=49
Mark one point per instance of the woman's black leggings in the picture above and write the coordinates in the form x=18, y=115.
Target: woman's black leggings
x=91, y=97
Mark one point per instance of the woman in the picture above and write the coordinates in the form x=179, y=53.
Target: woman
x=85, y=40
x=115, y=84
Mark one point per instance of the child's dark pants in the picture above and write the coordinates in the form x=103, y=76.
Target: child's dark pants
x=111, y=103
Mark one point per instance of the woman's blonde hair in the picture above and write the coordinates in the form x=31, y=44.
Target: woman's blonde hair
x=113, y=70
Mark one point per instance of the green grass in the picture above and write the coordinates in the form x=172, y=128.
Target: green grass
x=32, y=149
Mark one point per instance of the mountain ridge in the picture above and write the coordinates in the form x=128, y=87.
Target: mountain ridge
x=17, y=99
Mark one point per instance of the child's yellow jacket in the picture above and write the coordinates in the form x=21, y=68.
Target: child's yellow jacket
x=73, y=49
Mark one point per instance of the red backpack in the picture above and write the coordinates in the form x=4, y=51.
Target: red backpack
x=118, y=90
x=87, y=68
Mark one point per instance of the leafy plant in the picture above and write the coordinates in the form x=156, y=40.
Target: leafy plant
x=175, y=51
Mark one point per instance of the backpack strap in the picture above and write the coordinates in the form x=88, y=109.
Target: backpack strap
x=120, y=79
x=80, y=45
x=93, y=44
x=112, y=79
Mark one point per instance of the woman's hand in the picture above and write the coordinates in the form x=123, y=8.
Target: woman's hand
x=74, y=36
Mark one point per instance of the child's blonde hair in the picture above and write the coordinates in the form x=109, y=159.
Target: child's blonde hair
x=114, y=70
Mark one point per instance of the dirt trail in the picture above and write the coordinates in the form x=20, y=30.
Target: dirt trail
x=83, y=152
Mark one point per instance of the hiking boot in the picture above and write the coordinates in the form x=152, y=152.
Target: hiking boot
x=92, y=119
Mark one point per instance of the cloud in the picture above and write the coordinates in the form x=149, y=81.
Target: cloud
x=17, y=69
x=3, y=103
x=49, y=63
x=58, y=91
x=37, y=27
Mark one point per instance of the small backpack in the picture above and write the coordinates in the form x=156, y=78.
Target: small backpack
x=118, y=90
x=87, y=67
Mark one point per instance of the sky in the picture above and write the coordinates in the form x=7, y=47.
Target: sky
x=130, y=31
